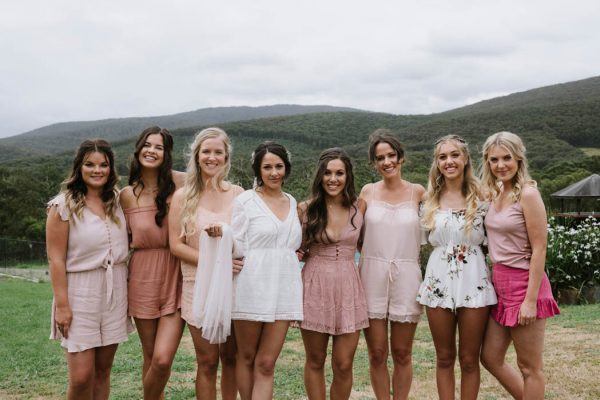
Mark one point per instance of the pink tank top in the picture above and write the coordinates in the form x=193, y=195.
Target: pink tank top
x=508, y=241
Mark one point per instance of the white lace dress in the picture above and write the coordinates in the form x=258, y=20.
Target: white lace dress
x=457, y=275
x=269, y=287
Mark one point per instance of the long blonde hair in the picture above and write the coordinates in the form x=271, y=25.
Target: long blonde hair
x=436, y=183
x=513, y=143
x=194, y=186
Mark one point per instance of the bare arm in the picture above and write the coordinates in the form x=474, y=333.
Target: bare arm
x=57, y=239
x=178, y=178
x=179, y=247
x=536, y=223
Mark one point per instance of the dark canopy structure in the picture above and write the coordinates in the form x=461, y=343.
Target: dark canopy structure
x=587, y=188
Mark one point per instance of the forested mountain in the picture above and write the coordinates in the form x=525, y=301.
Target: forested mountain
x=56, y=138
x=26, y=183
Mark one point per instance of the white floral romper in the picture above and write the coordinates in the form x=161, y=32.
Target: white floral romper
x=457, y=275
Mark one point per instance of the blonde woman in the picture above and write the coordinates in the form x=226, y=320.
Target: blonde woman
x=457, y=288
x=517, y=235
x=204, y=202
x=86, y=240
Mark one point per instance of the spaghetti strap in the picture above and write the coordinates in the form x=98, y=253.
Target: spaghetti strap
x=412, y=190
x=373, y=190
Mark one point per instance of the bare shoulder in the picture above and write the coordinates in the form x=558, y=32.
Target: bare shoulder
x=530, y=193
x=127, y=197
x=177, y=196
x=237, y=189
x=303, y=206
x=420, y=191
x=178, y=178
x=362, y=205
x=365, y=192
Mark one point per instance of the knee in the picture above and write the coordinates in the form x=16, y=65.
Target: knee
x=227, y=359
x=445, y=359
x=265, y=365
x=342, y=367
x=208, y=364
x=468, y=363
x=402, y=357
x=315, y=361
x=162, y=363
x=378, y=357
x=82, y=380
x=246, y=358
x=530, y=370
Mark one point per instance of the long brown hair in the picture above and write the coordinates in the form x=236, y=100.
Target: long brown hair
x=165, y=183
x=316, y=212
x=75, y=189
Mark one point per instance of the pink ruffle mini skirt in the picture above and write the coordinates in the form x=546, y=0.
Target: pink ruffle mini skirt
x=511, y=287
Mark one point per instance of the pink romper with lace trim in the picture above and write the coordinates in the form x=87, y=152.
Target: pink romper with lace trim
x=334, y=299
x=389, y=266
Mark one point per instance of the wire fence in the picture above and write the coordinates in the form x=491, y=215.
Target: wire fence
x=21, y=253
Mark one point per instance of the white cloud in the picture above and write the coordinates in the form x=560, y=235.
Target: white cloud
x=70, y=60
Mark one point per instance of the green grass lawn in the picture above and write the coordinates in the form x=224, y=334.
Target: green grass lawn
x=31, y=366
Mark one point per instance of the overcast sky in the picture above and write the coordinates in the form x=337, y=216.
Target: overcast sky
x=85, y=60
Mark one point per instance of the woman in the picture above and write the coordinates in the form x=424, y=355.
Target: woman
x=86, y=241
x=517, y=235
x=154, y=285
x=389, y=266
x=205, y=199
x=334, y=300
x=268, y=291
x=457, y=290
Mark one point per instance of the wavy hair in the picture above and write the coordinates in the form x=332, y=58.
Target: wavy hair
x=316, y=212
x=165, y=183
x=194, y=185
x=75, y=189
x=514, y=144
x=436, y=184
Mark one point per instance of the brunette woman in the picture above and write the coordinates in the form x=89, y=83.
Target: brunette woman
x=268, y=290
x=389, y=266
x=154, y=285
x=517, y=235
x=205, y=200
x=334, y=299
x=86, y=241
x=457, y=289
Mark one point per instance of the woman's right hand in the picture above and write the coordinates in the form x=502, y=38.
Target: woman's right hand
x=63, y=317
x=214, y=230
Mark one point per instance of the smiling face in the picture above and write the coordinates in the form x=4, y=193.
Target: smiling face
x=95, y=170
x=451, y=160
x=272, y=171
x=212, y=157
x=334, y=178
x=152, y=154
x=386, y=160
x=502, y=163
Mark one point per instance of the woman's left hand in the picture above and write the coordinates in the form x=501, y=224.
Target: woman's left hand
x=214, y=230
x=527, y=313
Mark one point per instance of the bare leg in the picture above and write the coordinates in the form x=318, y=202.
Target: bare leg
x=247, y=337
x=442, y=323
x=102, y=365
x=344, y=347
x=315, y=346
x=269, y=347
x=81, y=374
x=146, y=329
x=529, y=345
x=402, y=337
x=377, y=344
x=207, y=357
x=166, y=342
x=471, y=328
x=227, y=354
x=493, y=357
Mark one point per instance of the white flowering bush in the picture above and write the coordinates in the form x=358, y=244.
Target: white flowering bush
x=573, y=256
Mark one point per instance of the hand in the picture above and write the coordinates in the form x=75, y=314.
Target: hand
x=300, y=254
x=527, y=313
x=237, y=264
x=214, y=230
x=63, y=317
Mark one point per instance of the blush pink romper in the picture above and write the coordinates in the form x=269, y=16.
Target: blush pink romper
x=510, y=252
x=96, y=280
x=334, y=299
x=203, y=218
x=154, y=286
x=389, y=267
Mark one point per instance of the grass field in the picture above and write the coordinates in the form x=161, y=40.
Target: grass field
x=33, y=367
